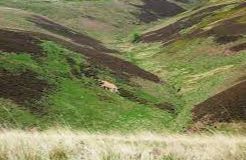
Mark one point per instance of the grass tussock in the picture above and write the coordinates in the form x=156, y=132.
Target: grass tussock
x=66, y=145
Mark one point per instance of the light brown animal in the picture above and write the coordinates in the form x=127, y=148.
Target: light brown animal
x=109, y=86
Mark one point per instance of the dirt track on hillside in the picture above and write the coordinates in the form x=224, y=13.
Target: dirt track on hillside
x=152, y=10
x=227, y=106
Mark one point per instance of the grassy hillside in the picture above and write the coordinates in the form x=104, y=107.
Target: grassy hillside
x=62, y=88
x=200, y=53
x=106, y=20
x=45, y=84
x=166, y=58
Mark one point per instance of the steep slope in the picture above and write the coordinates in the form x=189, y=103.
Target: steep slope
x=60, y=87
x=172, y=31
x=200, y=53
x=108, y=21
x=54, y=55
x=50, y=75
x=13, y=41
x=227, y=106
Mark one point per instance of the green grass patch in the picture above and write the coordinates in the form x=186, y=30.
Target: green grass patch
x=77, y=101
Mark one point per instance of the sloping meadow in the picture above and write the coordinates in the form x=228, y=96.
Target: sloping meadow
x=201, y=53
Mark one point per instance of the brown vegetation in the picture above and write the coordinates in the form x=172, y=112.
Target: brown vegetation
x=130, y=96
x=227, y=106
x=227, y=39
x=152, y=10
x=94, y=50
x=229, y=27
x=19, y=42
x=75, y=36
x=97, y=57
x=239, y=47
x=22, y=88
x=166, y=107
x=172, y=31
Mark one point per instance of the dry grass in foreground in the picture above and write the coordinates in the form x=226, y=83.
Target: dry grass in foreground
x=63, y=145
